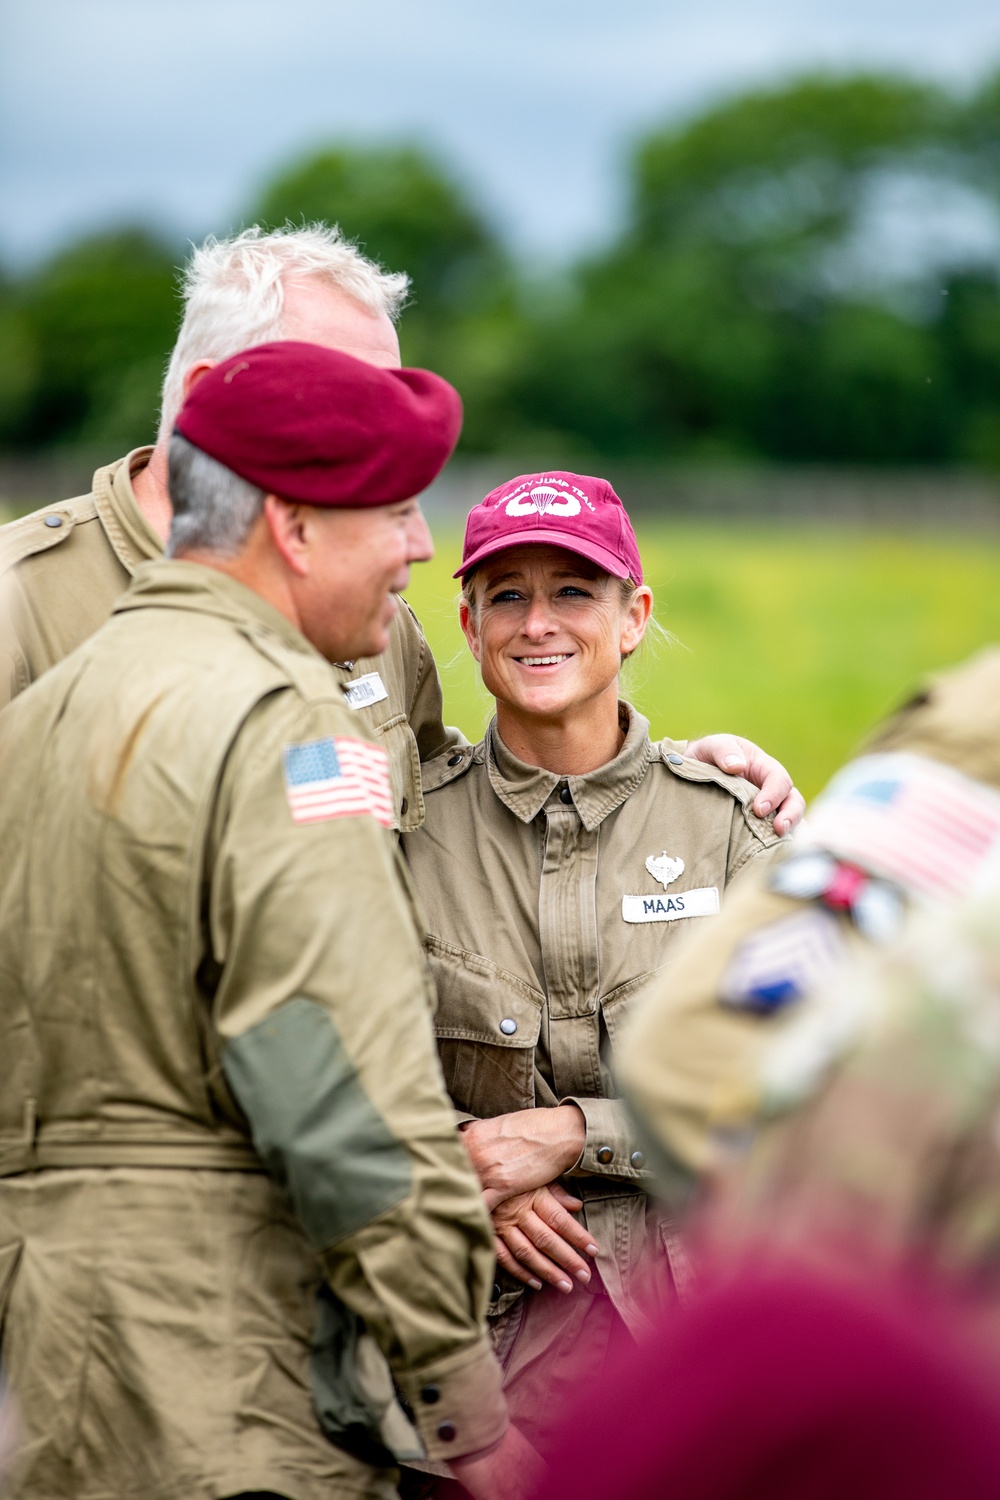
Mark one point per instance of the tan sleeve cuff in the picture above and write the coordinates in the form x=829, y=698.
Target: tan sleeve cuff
x=611, y=1148
x=457, y=1403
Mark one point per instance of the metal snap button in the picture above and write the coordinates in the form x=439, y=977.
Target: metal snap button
x=605, y=1155
x=430, y=1394
x=52, y=521
x=447, y=1432
x=404, y=807
x=565, y=795
x=455, y=760
x=638, y=1159
x=676, y=760
x=508, y=1026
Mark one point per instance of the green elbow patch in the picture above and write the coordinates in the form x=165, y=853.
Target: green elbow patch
x=314, y=1126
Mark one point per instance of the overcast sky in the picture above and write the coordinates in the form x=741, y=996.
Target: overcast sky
x=175, y=111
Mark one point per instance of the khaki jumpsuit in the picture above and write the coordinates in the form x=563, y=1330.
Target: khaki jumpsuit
x=219, y=1092
x=63, y=567
x=551, y=902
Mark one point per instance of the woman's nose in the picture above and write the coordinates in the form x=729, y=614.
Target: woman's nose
x=538, y=620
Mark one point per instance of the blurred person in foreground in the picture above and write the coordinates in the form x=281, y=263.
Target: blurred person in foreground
x=62, y=568
x=846, y=1335
x=219, y=1092
x=559, y=863
x=907, y=830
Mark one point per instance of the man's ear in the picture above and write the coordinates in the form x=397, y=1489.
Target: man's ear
x=467, y=620
x=287, y=523
x=194, y=372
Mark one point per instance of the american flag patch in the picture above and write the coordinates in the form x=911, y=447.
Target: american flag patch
x=338, y=777
x=912, y=820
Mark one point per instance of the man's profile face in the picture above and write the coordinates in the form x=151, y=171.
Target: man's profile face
x=363, y=556
x=358, y=560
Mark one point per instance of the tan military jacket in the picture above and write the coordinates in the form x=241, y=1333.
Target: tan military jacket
x=63, y=567
x=196, y=982
x=546, y=920
x=697, y=1064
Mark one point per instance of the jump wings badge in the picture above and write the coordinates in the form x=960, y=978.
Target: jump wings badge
x=664, y=868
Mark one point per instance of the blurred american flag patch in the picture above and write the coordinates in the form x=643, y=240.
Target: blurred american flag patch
x=338, y=777
x=916, y=821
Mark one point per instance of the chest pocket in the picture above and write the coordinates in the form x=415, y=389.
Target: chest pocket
x=487, y=1026
x=616, y=1007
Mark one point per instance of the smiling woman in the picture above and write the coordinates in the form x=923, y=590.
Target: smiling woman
x=559, y=864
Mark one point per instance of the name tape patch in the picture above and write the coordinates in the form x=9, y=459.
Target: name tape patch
x=364, y=691
x=338, y=777
x=703, y=902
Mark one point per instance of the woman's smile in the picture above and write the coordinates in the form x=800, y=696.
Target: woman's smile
x=535, y=662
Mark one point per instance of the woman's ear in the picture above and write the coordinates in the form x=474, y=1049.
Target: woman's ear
x=470, y=628
x=635, y=618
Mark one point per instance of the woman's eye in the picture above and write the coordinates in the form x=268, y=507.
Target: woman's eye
x=571, y=592
x=504, y=596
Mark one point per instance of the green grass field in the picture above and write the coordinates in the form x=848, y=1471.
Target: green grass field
x=800, y=638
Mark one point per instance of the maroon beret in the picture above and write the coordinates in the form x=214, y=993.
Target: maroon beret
x=314, y=425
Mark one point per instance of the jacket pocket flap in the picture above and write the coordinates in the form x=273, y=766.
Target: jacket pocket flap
x=480, y=1002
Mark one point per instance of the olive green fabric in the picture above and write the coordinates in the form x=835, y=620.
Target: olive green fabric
x=691, y=1065
x=522, y=876
x=158, y=901
x=63, y=567
x=313, y=1124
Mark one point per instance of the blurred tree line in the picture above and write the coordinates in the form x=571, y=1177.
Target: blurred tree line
x=805, y=273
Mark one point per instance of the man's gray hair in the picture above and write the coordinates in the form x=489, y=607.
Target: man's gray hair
x=214, y=509
x=234, y=294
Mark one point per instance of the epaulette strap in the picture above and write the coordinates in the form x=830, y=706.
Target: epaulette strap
x=447, y=767
x=40, y=531
x=686, y=769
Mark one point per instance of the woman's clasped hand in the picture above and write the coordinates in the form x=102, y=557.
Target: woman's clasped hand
x=517, y=1158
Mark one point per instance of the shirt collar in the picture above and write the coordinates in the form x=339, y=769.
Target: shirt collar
x=170, y=584
x=526, y=789
x=130, y=534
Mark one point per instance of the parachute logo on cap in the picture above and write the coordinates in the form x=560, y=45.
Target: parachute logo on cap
x=545, y=499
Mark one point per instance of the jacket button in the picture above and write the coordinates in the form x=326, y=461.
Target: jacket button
x=52, y=521
x=455, y=760
x=565, y=795
x=447, y=1432
x=676, y=760
x=605, y=1155
x=638, y=1159
x=404, y=807
x=507, y=1026
x=429, y=1394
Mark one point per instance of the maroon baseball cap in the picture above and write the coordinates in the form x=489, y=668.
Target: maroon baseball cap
x=575, y=511
x=314, y=425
